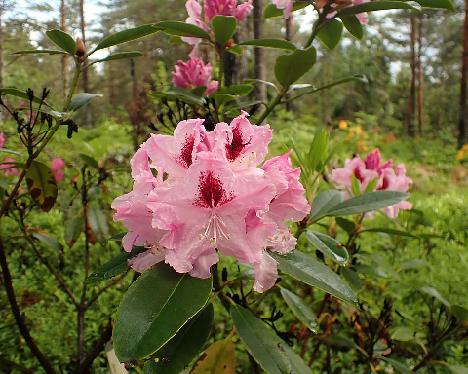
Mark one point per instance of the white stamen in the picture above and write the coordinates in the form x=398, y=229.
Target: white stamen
x=215, y=230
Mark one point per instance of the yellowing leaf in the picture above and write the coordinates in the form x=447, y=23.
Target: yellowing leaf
x=219, y=358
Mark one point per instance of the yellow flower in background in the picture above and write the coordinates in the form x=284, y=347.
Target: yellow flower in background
x=462, y=153
x=343, y=125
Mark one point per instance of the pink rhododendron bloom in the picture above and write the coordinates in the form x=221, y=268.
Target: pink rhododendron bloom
x=371, y=171
x=202, y=16
x=285, y=5
x=200, y=193
x=192, y=74
x=56, y=166
x=2, y=139
x=362, y=17
x=8, y=166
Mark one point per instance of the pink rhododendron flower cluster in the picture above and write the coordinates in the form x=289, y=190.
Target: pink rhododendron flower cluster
x=373, y=171
x=56, y=166
x=8, y=166
x=192, y=74
x=201, y=16
x=198, y=193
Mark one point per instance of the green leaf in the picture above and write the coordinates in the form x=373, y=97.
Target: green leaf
x=374, y=6
x=318, y=151
x=73, y=229
x=459, y=312
x=372, y=184
x=268, y=349
x=307, y=269
x=300, y=310
x=367, y=202
x=353, y=26
x=117, y=265
x=154, y=308
x=355, y=187
x=89, y=161
x=119, y=56
x=345, y=224
x=271, y=43
x=42, y=186
x=22, y=94
x=328, y=246
x=330, y=33
x=323, y=203
x=41, y=52
x=431, y=291
x=352, y=277
x=403, y=334
x=235, y=50
x=80, y=100
x=271, y=11
x=457, y=369
x=184, y=347
x=389, y=231
x=236, y=89
x=178, y=93
x=48, y=241
x=220, y=357
x=289, y=68
x=438, y=4
x=223, y=28
x=97, y=221
x=62, y=40
x=125, y=36
x=182, y=29
x=398, y=365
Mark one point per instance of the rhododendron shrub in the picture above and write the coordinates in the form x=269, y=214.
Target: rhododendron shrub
x=216, y=197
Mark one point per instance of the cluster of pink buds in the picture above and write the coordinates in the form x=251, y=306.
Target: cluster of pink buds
x=372, y=174
x=198, y=193
x=201, y=16
x=193, y=74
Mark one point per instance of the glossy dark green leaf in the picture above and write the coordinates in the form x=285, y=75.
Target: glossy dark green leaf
x=431, y=291
x=97, y=221
x=323, y=203
x=345, y=224
x=80, y=100
x=62, y=40
x=289, y=68
x=328, y=246
x=42, y=185
x=73, y=227
x=220, y=358
x=224, y=29
x=300, y=310
x=40, y=52
x=154, y=308
x=128, y=35
x=438, y=4
x=389, y=231
x=367, y=202
x=271, y=11
x=271, y=43
x=374, y=6
x=354, y=27
x=236, y=89
x=307, y=269
x=21, y=94
x=184, y=347
x=119, y=56
x=330, y=33
x=272, y=353
x=117, y=265
x=182, y=29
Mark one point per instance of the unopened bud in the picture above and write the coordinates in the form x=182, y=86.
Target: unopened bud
x=80, y=47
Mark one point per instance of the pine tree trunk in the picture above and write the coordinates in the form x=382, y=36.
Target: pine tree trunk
x=412, y=93
x=259, y=68
x=288, y=23
x=63, y=27
x=463, y=121
x=84, y=73
x=1, y=46
x=420, y=77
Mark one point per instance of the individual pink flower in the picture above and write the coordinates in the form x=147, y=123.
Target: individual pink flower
x=285, y=5
x=56, y=166
x=8, y=166
x=371, y=170
x=200, y=193
x=193, y=74
x=362, y=17
x=2, y=139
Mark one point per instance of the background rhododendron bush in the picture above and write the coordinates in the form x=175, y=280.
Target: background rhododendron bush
x=233, y=186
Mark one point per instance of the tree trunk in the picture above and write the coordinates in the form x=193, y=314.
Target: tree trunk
x=83, y=36
x=463, y=121
x=412, y=93
x=63, y=27
x=420, y=77
x=259, y=68
x=289, y=23
x=1, y=46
